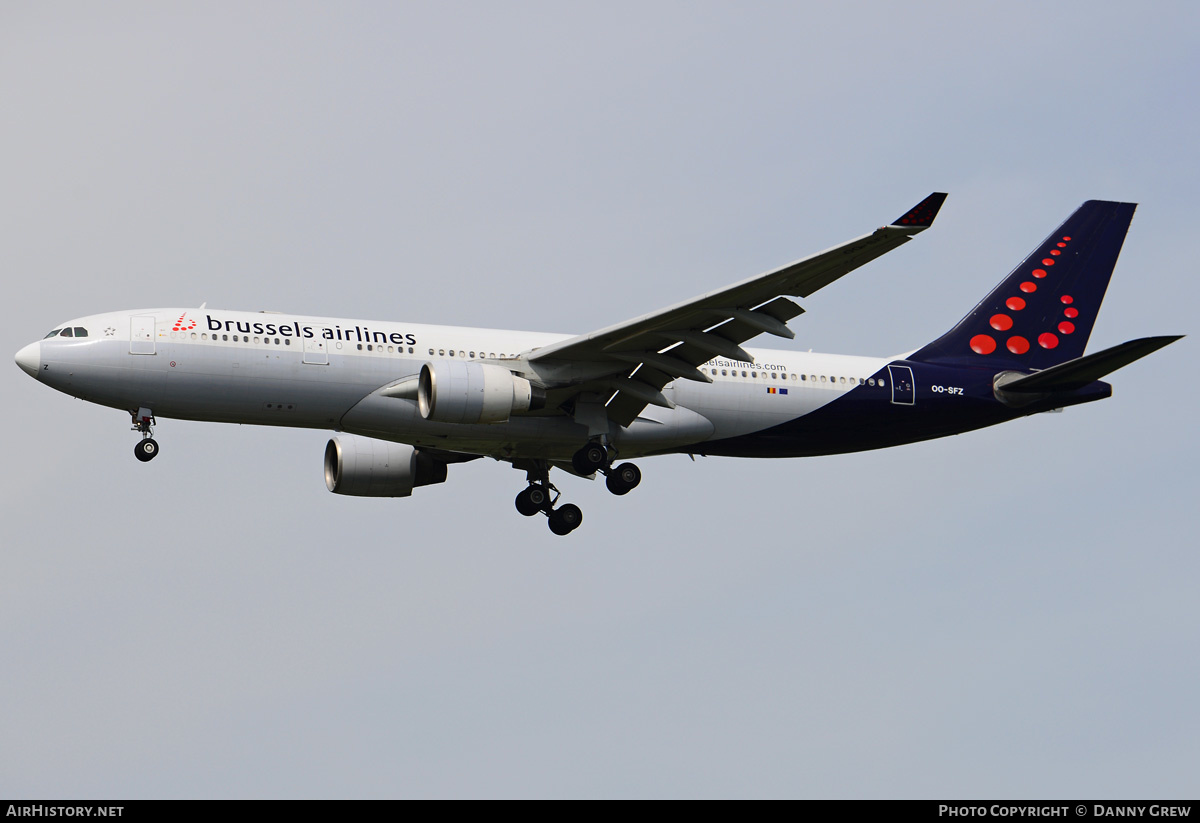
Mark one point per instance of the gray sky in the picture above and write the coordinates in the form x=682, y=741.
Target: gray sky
x=1007, y=613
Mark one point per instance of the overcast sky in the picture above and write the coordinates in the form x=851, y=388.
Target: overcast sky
x=1007, y=613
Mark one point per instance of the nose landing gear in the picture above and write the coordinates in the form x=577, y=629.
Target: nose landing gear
x=147, y=448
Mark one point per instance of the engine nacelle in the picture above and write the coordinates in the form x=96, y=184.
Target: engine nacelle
x=365, y=467
x=459, y=391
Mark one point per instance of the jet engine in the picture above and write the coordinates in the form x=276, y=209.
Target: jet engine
x=455, y=391
x=365, y=467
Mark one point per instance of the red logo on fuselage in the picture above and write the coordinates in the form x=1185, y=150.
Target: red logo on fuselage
x=184, y=324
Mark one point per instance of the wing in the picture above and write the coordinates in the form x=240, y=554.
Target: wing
x=631, y=362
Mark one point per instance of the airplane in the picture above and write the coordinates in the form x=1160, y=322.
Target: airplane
x=407, y=400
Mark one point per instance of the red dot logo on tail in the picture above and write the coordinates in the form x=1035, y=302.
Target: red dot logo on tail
x=1018, y=344
x=983, y=344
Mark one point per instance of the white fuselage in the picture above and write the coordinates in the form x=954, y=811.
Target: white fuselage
x=329, y=373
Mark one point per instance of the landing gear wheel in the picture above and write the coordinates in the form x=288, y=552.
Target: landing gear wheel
x=539, y=496
x=565, y=519
x=590, y=459
x=623, y=479
x=526, y=504
x=146, y=450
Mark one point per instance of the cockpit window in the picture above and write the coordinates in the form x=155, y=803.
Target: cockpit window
x=66, y=333
x=80, y=331
x=51, y=334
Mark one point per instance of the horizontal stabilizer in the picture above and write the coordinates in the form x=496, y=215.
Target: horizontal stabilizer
x=1077, y=373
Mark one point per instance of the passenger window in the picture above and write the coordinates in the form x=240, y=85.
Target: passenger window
x=51, y=334
x=80, y=331
x=66, y=333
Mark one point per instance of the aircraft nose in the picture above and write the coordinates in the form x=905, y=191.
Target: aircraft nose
x=30, y=359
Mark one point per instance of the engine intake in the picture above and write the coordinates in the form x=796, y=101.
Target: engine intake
x=454, y=391
x=365, y=467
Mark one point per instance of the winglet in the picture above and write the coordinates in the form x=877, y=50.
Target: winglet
x=921, y=215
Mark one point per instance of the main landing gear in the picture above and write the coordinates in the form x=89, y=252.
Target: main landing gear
x=146, y=448
x=541, y=496
x=594, y=457
x=623, y=479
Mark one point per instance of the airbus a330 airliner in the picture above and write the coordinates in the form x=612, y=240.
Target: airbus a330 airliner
x=408, y=399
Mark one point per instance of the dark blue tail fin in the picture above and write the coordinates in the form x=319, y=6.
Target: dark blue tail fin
x=1042, y=313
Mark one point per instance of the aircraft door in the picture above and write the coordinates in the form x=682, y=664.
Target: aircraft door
x=316, y=352
x=141, y=334
x=903, y=393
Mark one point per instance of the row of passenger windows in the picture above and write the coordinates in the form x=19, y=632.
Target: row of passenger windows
x=807, y=378
x=286, y=341
x=70, y=331
x=79, y=331
x=372, y=347
x=469, y=355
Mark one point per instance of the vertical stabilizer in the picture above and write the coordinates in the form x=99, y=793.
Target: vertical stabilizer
x=1042, y=313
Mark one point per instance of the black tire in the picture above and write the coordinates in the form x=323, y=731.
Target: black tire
x=525, y=504
x=539, y=496
x=146, y=450
x=565, y=519
x=590, y=459
x=623, y=479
